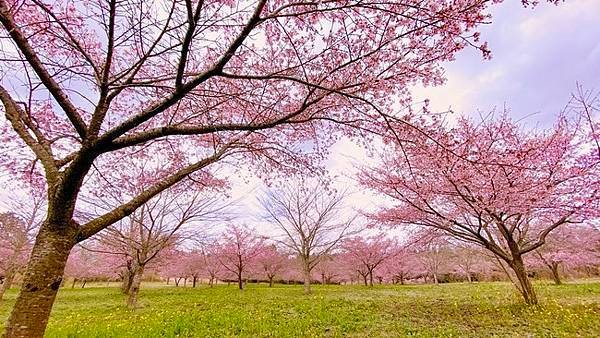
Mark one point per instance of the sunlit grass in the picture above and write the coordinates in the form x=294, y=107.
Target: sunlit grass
x=480, y=309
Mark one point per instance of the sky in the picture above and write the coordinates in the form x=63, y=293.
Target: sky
x=538, y=57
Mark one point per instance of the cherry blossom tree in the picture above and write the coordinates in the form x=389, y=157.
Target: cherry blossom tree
x=85, y=265
x=568, y=248
x=239, y=251
x=493, y=184
x=466, y=258
x=309, y=220
x=271, y=262
x=18, y=228
x=366, y=254
x=86, y=85
x=329, y=269
x=159, y=224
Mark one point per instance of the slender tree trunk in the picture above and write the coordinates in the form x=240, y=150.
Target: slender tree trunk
x=74, y=282
x=435, y=278
x=127, y=280
x=7, y=282
x=365, y=280
x=525, y=286
x=83, y=284
x=194, y=281
x=41, y=281
x=469, y=278
x=306, y=272
x=177, y=281
x=370, y=278
x=322, y=279
x=240, y=281
x=135, y=288
x=168, y=278
x=555, y=273
x=271, y=281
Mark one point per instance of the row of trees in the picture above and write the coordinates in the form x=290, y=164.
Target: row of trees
x=238, y=255
x=91, y=90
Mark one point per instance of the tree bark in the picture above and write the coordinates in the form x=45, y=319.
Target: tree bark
x=127, y=281
x=240, y=281
x=74, y=282
x=83, y=284
x=525, y=286
x=270, y=282
x=370, y=278
x=41, y=281
x=555, y=273
x=306, y=272
x=194, y=281
x=135, y=288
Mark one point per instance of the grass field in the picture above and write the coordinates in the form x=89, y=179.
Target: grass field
x=482, y=309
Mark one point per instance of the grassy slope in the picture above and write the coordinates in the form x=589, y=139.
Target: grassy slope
x=483, y=309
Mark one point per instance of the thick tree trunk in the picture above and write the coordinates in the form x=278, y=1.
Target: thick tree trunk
x=194, y=281
x=555, y=273
x=7, y=282
x=270, y=282
x=41, y=282
x=435, y=278
x=135, y=288
x=525, y=286
x=240, y=281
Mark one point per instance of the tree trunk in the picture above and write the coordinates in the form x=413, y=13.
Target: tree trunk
x=469, y=278
x=524, y=286
x=177, y=281
x=555, y=274
x=74, y=282
x=306, y=272
x=435, y=278
x=168, y=278
x=185, y=282
x=41, y=281
x=83, y=284
x=370, y=278
x=240, y=281
x=127, y=281
x=194, y=281
x=7, y=282
x=270, y=282
x=135, y=288
x=365, y=280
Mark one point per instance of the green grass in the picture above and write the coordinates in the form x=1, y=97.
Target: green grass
x=459, y=310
